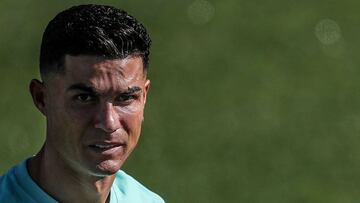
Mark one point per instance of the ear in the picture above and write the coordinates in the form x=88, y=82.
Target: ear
x=146, y=89
x=37, y=91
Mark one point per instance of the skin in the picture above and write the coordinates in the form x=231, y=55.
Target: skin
x=94, y=102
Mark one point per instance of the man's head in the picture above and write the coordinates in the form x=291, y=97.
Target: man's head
x=94, y=30
x=93, y=63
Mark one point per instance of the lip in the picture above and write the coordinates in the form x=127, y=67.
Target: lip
x=107, y=149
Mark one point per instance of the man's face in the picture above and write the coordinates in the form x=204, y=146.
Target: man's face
x=94, y=112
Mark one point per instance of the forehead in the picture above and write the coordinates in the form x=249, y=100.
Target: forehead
x=103, y=73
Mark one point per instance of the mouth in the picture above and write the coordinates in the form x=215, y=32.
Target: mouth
x=101, y=146
x=107, y=148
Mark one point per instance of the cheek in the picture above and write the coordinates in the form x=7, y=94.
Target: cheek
x=132, y=115
x=64, y=131
x=79, y=115
x=57, y=118
x=68, y=123
x=133, y=109
x=131, y=122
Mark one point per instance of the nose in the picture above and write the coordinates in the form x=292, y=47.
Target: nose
x=107, y=119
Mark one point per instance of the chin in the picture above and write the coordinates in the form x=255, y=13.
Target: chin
x=107, y=168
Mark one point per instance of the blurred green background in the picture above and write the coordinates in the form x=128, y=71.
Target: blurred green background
x=251, y=101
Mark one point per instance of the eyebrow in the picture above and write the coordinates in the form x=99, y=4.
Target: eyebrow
x=133, y=89
x=86, y=88
x=81, y=87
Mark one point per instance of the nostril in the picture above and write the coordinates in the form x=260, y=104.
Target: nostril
x=106, y=127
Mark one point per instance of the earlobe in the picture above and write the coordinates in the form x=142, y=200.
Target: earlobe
x=37, y=91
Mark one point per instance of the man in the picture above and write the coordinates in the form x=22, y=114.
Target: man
x=93, y=65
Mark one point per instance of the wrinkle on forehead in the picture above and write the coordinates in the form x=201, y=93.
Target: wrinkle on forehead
x=106, y=77
x=106, y=74
x=107, y=81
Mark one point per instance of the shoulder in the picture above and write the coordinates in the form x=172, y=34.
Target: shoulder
x=16, y=185
x=10, y=189
x=132, y=189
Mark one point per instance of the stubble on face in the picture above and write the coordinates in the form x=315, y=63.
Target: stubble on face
x=94, y=112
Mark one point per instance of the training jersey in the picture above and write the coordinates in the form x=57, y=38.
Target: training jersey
x=16, y=186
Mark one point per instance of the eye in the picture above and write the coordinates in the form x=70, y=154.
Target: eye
x=84, y=98
x=126, y=98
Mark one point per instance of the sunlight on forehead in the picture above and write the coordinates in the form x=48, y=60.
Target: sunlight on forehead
x=105, y=74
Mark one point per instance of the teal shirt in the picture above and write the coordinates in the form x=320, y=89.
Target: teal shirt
x=16, y=185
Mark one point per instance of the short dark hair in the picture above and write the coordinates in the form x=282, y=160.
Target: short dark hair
x=96, y=30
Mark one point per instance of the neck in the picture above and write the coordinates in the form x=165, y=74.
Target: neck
x=66, y=184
